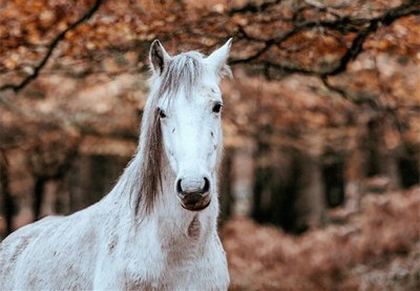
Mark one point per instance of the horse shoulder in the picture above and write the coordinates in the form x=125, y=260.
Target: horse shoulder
x=14, y=247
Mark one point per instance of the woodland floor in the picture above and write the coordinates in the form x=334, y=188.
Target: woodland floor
x=376, y=249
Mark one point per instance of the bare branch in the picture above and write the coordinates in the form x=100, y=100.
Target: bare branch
x=55, y=42
x=253, y=7
x=363, y=26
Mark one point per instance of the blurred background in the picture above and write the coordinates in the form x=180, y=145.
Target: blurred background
x=320, y=179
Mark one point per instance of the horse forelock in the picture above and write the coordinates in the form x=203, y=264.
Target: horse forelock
x=182, y=73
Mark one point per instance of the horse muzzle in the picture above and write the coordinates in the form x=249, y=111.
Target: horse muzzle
x=193, y=194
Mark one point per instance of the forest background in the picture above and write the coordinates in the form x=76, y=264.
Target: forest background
x=320, y=178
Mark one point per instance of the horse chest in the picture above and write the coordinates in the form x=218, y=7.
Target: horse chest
x=173, y=275
x=171, y=266
x=170, y=270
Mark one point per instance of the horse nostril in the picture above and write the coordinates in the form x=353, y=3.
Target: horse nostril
x=192, y=186
x=178, y=186
x=206, y=187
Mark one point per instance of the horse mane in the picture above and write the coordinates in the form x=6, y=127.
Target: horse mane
x=183, y=72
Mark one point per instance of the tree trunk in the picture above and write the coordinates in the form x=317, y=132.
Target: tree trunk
x=7, y=201
x=355, y=172
x=383, y=161
x=38, y=197
x=310, y=198
x=225, y=187
x=243, y=179
x=333, y=174
x=409, y=166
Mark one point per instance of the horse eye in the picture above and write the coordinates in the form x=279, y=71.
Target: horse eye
x=217, y=107
x=162, y=114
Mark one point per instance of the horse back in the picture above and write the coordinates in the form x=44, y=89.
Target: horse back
x=48, y=254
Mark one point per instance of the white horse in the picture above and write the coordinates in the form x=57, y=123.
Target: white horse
x=157, y=228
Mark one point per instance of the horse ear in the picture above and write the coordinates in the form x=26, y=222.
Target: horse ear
x=158, y=56
x=218, y=59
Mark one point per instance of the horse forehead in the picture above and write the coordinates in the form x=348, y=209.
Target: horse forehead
x=205, y=91
x=200, y=94
x=192, y=104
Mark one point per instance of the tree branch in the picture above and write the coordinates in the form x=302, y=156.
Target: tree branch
x=363, y=26
x=55, y=42
x=253, y=7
